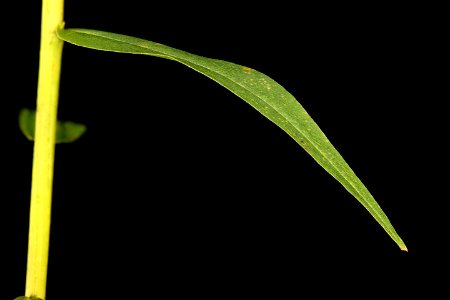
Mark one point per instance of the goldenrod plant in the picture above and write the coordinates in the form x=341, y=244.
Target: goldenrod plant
x=260, y=91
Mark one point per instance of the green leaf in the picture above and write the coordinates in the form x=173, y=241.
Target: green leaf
x=26, y=298
x=258, y=90
x=66, y=132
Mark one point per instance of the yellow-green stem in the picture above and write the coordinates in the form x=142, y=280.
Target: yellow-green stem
x=44, y=148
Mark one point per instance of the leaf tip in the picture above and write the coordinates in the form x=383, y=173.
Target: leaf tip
x=403, y=248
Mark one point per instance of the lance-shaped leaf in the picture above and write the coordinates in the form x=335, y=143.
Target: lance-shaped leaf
x=66, y=131
x=258, y=90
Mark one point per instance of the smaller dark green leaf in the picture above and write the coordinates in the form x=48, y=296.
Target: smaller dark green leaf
x=66, y=131
x=26, y=298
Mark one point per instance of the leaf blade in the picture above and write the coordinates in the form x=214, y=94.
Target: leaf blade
x=258, y=90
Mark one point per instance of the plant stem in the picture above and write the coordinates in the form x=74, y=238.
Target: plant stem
x=44, y=148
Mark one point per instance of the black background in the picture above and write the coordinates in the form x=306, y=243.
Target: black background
x=180, y=187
